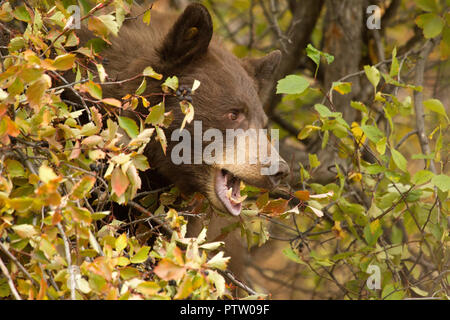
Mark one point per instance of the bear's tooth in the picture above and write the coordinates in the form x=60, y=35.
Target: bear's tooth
x=238, y=200
x=229, y=192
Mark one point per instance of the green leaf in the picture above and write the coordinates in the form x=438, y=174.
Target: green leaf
x=129, y=125
x=324, y=112
x=315, y=55
x=14, y=168
x=342, y=87
x=291, y=255
x=15, y=44
x=395, y=67
x=94, y=89
x=306, y=131
x=399, y=160
x=64, y=62
x=391, y=292
x=428, y=5
x=381, y=145
x=141, y=255
x=421, y=156
x=373, y=75
x=21, y=13
x=419, y=291
x=358, y=106
x=374, y=169
x=313, y=160
x=140, y=90
x=431, y=23
x=373, y=133
x=110, y=23
x=422, y=177
x=436, y=106
x=170, y=83
x=4, y=288
x=149, y=72
x=441, y=181
x=128, y=273
x=156, y=115
x=372, y=232
x=292, y=84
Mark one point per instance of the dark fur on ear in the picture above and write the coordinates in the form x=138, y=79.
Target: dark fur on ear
x=262, y=69
x=189, y=37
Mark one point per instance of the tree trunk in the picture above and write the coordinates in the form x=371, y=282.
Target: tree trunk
x=343, y=39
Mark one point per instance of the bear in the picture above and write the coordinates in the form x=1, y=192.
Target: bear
x=229, y=97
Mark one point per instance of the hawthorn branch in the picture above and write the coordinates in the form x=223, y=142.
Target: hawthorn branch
x=69, y=261
x=70, y=86
x=141, y=209
x=409, y=134
x=227, y=274
x=418, y=102
x=10, y=281
x=402, y=197
x=18, y=264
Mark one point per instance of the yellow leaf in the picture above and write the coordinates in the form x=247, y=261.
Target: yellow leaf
x=46, y=174
x=358, y=134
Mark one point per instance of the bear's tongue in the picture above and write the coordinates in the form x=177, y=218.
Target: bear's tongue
x=228, y=190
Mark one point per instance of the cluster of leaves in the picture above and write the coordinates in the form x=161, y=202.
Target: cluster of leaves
x=378, y=211
x=62, y=162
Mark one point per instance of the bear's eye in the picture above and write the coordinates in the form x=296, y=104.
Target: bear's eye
x=233, y=115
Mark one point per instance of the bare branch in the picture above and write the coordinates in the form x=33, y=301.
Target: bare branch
x=69, y=262
x=10, y=281
x=418, y=102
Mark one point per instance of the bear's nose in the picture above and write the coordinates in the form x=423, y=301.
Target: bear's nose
x=283, y=172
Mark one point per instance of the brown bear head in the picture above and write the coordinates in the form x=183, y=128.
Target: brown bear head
x=228, y=98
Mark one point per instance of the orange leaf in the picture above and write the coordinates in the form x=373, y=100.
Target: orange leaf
x=302, y=195
x=276, y=207
x=112, y=102
x=167, y=270
x=119, y=182
x=76, y=151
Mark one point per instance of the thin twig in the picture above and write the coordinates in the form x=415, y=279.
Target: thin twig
x=10, y=281
x=69, y=261
x=18, y=264
x=418, y=102
x=227, y=274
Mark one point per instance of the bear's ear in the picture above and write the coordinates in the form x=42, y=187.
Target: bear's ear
x=189, y=37
x=262, y=69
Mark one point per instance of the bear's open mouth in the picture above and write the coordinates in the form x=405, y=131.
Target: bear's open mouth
x=228, y=190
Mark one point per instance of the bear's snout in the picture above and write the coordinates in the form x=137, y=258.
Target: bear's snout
x=281, y=174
